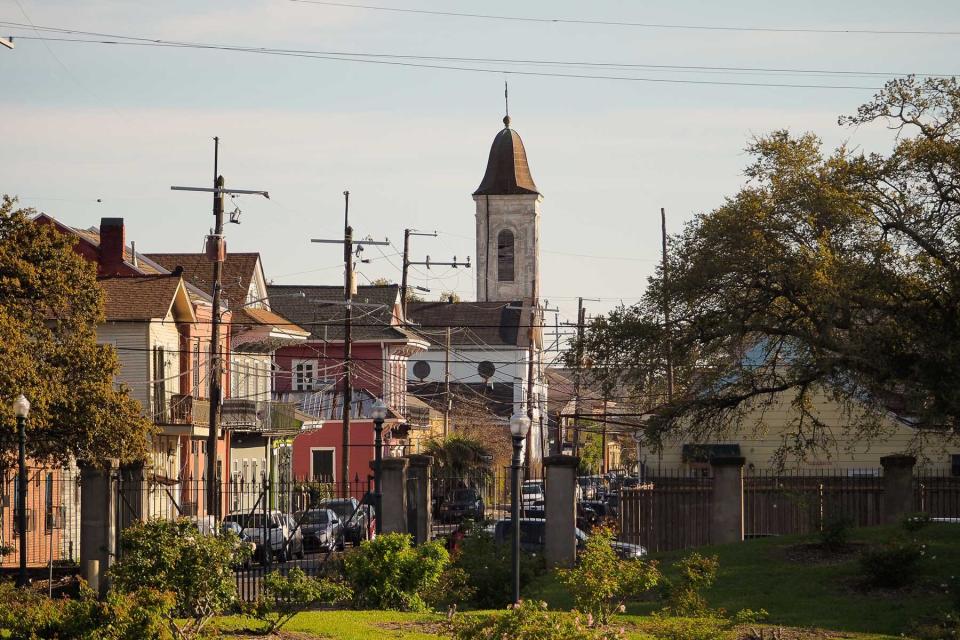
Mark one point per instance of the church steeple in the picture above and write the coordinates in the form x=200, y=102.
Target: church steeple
x=508, y=222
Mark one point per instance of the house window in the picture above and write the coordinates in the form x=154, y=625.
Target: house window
x=304, y=372
x=505, y=253
x=159, y=384
x=321, y=465
x=196, y=369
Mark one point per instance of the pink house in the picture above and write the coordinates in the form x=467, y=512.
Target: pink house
x=312, y=374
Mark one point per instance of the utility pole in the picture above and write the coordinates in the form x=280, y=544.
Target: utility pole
x=531, y=352
x=446, y=387
x=406, y=263
x=603, y=440
x=217, y=252
x=348, y=284
x=7, y=42
x=581, y=326
x=426, y=263
x=666, y=306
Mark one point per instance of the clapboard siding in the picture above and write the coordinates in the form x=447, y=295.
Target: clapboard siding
x=132, y=345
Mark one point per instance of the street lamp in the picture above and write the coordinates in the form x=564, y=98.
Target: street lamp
x=379, y=413
x=519, y=425
x=21, y=408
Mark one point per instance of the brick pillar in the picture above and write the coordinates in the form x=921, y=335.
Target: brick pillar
x=897, y=487
x=393, y=486
x=98, y=522
x=420, y=515
x=560, y=510
x=726, y=509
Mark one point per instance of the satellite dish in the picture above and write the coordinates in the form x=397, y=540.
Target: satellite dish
x=486, y=370
x=421, y=369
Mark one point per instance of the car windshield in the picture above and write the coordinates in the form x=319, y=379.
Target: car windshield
x=532, y=488
x=315, y=517
x=343, y=509
x=464, y=494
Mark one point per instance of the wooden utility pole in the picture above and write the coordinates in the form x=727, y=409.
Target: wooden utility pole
x=603, y=440
x=216, y=252
x=348, y=285
x=531, y=353
x=577, y=378
x=406, y=264
x=666, y=306
x=446, y=387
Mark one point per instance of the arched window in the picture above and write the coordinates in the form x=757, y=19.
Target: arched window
x=505, y=255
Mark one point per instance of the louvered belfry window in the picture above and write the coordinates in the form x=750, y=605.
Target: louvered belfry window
x=505, y=256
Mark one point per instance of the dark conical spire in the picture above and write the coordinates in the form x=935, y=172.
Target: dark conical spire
x=507, y=170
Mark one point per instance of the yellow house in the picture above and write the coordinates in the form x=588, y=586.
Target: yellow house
x=851, y=441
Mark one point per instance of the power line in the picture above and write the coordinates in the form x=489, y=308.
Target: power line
x=451, y=67
x=621, y=23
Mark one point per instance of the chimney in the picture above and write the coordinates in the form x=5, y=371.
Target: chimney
x=112, y=241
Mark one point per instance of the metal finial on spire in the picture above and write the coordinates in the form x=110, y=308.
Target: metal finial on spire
x=506, y=103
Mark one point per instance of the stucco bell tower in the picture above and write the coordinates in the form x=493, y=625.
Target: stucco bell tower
x=508, y=223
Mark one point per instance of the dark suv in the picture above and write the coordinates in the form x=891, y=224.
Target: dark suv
x=533, y=538
x=463, y=504
x=357, y=518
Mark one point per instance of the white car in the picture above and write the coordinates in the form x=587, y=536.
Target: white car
x=532, y=492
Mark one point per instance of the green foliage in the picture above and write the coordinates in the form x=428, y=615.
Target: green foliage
x=29, y=615
x=601, y=582
x=892, y=565
x=50, y=305
x=488, y=568
x=749, y=616
x=704, y=627
x=460, y=456
x=833, y=272
x=452, y=588
x=684, y=597
x=914, y=522
x=945, y=626
x=835, y=533
x=389, y=573
x=530, y=620
x=175, y=557
x=285, y=596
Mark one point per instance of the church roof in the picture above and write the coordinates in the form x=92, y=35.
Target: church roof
x=508, y=172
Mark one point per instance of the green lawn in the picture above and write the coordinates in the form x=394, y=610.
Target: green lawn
x=755, y=574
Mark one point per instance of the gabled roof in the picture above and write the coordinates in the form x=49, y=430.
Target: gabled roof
x=321, y=311
x=239, y=270
x=145, y=298
x=482, y=323
x=508, y=172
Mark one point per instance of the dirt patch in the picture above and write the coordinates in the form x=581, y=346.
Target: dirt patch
x=815, y=553
x=769, y=632
x=279, y=635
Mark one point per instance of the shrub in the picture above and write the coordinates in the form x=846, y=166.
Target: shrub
x=914, y=522
x=707, y=627
x=835, y=533
x=530, y=620
x=684, y=597
x=28, y=615
x=176, y=557
x=488, y=569
x=452, y=588
x=749, y=616
x=895, y=564
x=286, y=596
x=388, y=573
x=601, y=582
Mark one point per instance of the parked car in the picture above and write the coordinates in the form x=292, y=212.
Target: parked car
x=533, y=538
x=604, y=509
x=357, y=519
x=322, y=529
x=586, y=517
x=273, y=532
x=464, y=503
x=245, y=539
x=532, y=491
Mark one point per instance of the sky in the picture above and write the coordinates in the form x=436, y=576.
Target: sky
x=93, y=130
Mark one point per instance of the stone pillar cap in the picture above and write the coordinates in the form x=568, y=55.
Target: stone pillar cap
x=392, y=463
x=420, y=460
x=561, y=461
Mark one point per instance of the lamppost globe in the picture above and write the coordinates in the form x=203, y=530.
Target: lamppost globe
x=21, y=406
x=379, y=410
x=519, y=425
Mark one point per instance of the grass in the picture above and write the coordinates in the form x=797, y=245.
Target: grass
x=757, y=574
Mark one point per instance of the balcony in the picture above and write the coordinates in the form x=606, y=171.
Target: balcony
x=262, y=416
x=186, y=410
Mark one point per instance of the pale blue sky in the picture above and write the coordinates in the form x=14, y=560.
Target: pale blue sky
x=80, y=122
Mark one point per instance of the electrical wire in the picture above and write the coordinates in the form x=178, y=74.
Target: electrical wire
x=621, y=23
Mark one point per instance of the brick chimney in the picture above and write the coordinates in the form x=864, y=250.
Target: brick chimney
x=112, y=241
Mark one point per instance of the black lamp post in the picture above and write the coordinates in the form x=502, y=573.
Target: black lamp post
x=379, y=413
x=21, y=407
x=519, y=425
